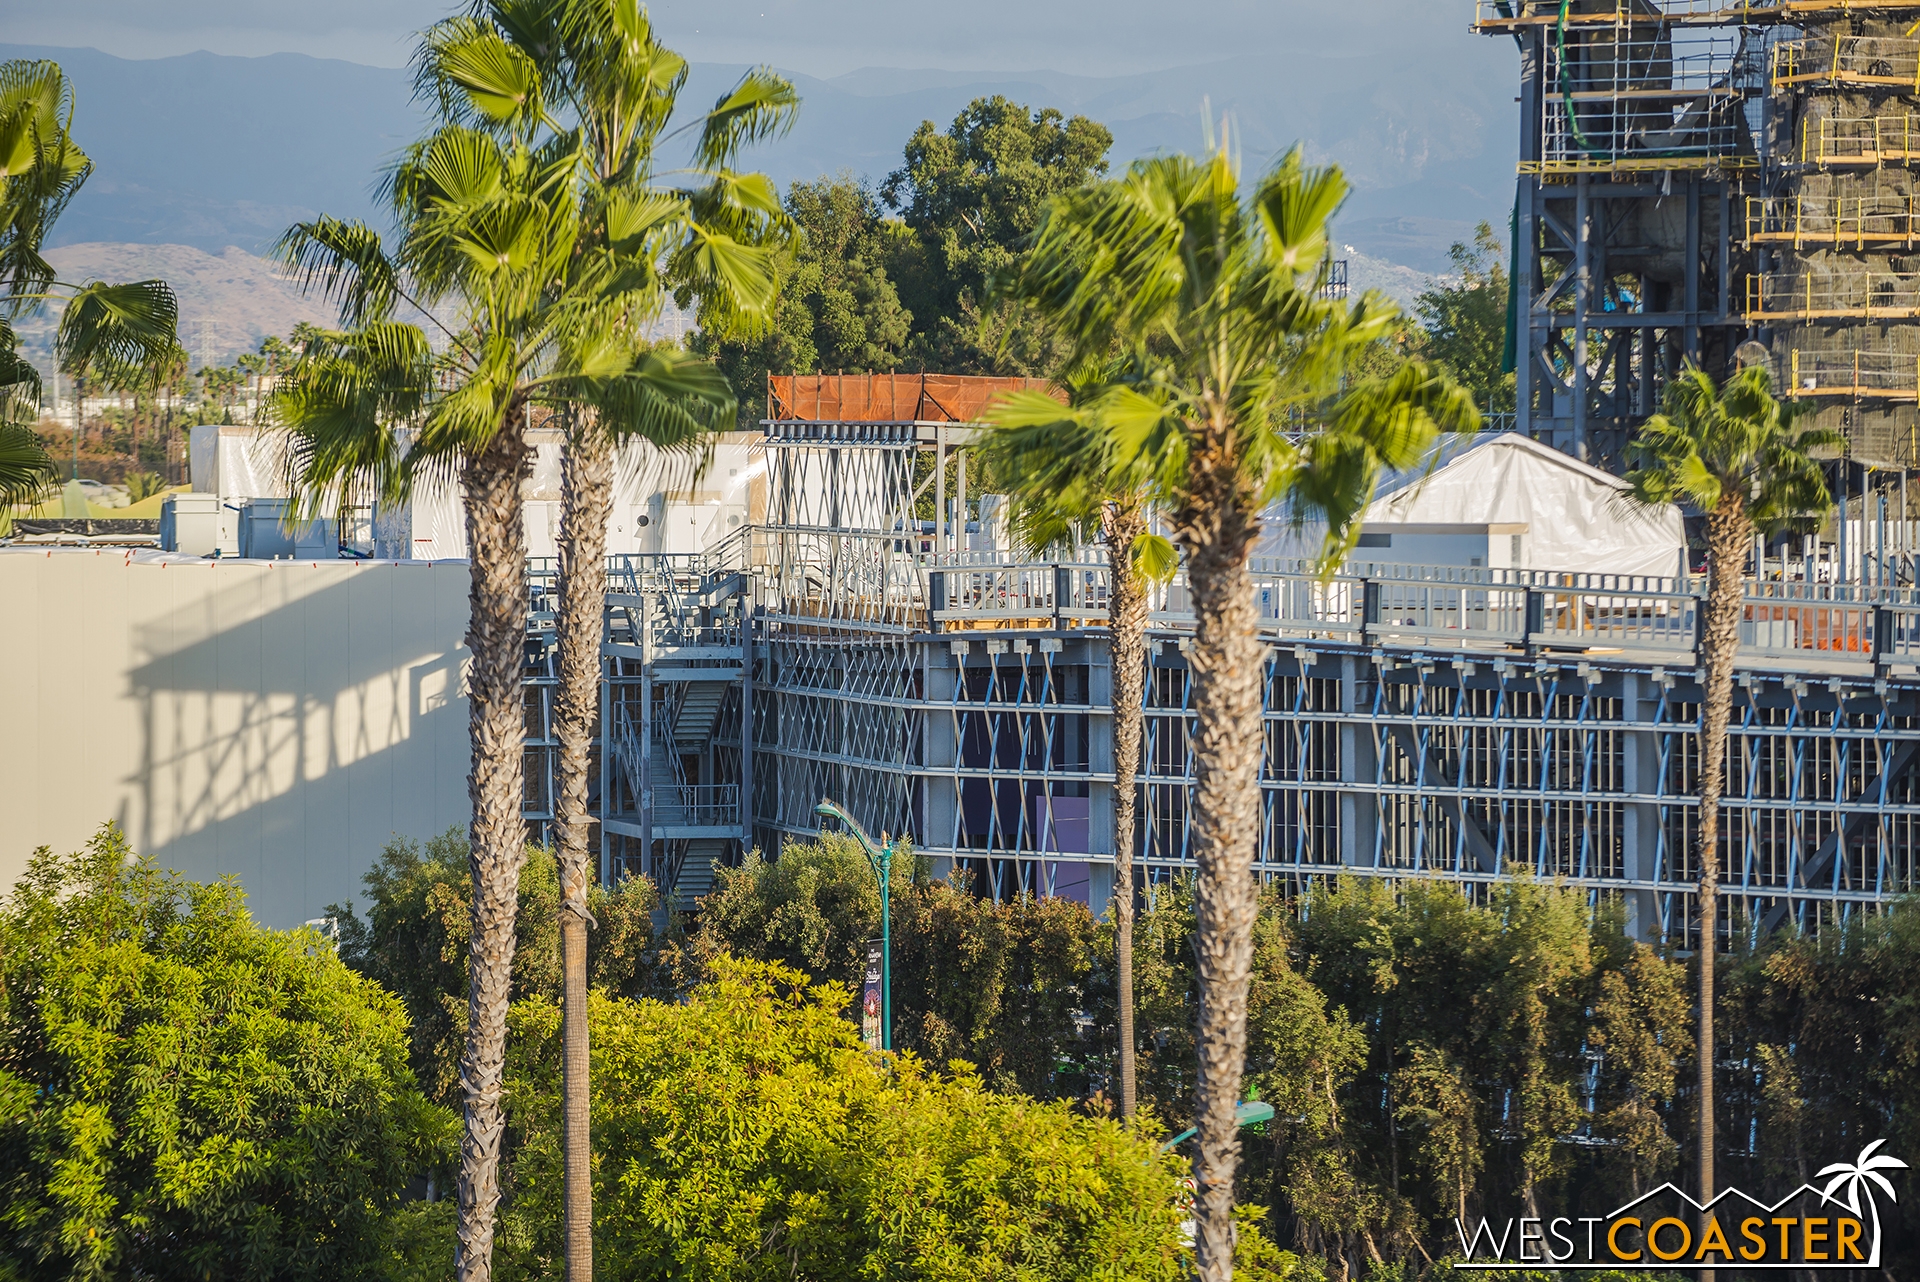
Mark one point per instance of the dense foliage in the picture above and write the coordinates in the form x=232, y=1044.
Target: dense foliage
x=1428, y=1055
x=186, y=1095
x=746, y=1133
x=1464, y=320
x=838, y=309
x=861, y=291
x=972, y=197
x=413, y=942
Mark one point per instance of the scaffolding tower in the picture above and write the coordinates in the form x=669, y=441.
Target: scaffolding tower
x=1698, y=174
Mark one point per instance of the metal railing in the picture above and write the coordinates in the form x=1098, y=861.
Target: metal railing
x=701, y=805
x=1861, y=140
x=1498, y=17
x=1855, y=374
x=1632, y=616
x=1374, y=603
x=1811, y=296
x=1874, y=218
x=1890, y=61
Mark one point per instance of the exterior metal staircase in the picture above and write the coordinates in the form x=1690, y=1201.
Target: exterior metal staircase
x=683, y=618
x=699, y=709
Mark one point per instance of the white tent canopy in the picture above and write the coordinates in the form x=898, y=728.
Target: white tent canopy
x=1505, y=494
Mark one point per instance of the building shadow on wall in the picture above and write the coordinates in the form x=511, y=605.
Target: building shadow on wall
x=289, y=731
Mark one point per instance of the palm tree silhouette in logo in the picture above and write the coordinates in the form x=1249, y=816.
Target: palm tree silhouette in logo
x=1855, y=1177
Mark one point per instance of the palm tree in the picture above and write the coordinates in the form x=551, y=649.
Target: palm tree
x=490, y=230
x=597, y=63
x=1050, y=465
x=124, y=334
x=1219, y=304
x=1733, y=452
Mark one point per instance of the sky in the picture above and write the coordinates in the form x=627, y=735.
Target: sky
x=816, y=37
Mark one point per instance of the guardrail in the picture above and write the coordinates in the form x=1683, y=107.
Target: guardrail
x=872, y=584
x=1647, y=617
x=702, y=805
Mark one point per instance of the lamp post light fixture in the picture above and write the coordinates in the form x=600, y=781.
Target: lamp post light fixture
x=1251, y=1113
x=880, y=858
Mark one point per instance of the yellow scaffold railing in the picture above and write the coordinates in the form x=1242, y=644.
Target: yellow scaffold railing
x=1880, y=219
x=1861, y=140
x=1848, y=60
x=1856, y=375
x=1804, y=296
x=1498, y=17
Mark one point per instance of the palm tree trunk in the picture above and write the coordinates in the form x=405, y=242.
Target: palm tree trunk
x=496, y=637
x=1218, y=529
x=587, y=495
x=1127, y=639
x=1728, y=530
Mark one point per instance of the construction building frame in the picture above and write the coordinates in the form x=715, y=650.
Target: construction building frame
x=1420, y=721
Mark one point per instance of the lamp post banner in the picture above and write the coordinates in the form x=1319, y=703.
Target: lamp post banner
x=870, y=1024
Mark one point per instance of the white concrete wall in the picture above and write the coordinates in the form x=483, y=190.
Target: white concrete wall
x=276, y=721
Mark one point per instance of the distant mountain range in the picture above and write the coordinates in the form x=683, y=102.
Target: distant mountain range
x=212, y=151
x=206, y=152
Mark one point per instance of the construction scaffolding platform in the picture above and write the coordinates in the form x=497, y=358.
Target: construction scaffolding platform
x=1831, y=142
x=1833, y=61
x=1822, y=296
x=1511, y=17
x=1715, y=184
x=1857, y=220
x=1853, y=375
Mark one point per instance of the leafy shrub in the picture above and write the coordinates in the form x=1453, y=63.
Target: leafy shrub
x=746, y=1133
x=184, y=1094
x=414, y=941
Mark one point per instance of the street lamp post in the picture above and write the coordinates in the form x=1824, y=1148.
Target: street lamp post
x=880, y=857
x=1251, y=1113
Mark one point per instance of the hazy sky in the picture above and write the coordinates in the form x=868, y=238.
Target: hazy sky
x=815, y=37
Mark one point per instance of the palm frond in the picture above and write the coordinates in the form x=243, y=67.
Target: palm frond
x=762, y=105
x=341, y=404
x=501, y=82
x=123, y=334
x=26, y=470
x=346, y=262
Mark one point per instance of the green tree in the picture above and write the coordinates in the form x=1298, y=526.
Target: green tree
x=415, y=936
x=1218, y=302
x=1734, y=453
x=1004, y=986
x=1638, y=1025
x=1465, y=320
x=252, y=368
x=747, y=1133
x=120, y=334
x=187, y=1095
x=838, y=308
x=970, y=198
x=550, y=271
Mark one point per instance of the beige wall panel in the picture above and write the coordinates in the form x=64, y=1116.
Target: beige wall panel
x=274, y=721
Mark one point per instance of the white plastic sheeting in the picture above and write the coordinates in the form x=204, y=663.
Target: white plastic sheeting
x=237, y=462
x=1577, y=517
x=663, y=502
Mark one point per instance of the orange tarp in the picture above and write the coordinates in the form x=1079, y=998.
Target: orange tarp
x=887, y=398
